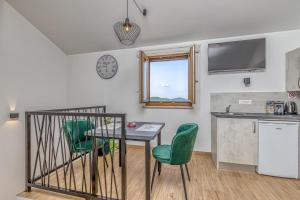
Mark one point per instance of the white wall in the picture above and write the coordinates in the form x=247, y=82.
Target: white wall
x=120, y=93
x=32, y=76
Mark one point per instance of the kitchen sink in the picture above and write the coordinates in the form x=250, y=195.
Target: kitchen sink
x=232, y=113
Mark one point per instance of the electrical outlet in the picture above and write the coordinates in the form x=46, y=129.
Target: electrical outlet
x=245, y=102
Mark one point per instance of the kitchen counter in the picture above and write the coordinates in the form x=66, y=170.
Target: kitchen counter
x=259, y=116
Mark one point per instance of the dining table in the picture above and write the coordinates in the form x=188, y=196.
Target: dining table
x=142, y=132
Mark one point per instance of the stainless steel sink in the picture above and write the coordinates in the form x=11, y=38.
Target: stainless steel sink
x=233, y=113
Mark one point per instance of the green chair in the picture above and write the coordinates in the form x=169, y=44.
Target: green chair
x=74, y=131
x=179, y=152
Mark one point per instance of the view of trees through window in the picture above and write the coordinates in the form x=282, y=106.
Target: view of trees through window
x=169, y=81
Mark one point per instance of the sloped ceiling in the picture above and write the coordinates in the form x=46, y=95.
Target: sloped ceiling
x=81, y=26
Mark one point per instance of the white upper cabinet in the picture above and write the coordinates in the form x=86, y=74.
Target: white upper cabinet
x=293, y=70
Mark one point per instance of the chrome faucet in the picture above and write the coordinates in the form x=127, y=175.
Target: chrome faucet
x=228, y=108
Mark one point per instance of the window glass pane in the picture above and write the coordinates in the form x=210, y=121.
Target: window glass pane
x=169, y=81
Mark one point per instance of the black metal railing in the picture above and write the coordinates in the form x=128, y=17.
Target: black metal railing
x=91, y=109
x=63, y=149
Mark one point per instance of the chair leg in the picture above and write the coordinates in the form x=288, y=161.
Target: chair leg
x=159, y=168
x=187, y=171
x=105, y=160
x=154, y=172
x=183, y=181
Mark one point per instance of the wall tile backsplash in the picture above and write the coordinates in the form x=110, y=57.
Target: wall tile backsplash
x=219, y=101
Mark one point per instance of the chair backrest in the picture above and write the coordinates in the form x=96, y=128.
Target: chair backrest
x=183, y=144
x=74, y=130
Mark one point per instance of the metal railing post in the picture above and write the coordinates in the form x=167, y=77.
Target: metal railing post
x=27, y=152
x=123, y=157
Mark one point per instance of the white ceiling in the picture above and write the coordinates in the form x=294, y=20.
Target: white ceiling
x=80, y=26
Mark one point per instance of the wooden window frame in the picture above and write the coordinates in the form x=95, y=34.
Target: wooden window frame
x=190, y=56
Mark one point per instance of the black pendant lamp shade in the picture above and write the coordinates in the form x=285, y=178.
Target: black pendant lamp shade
x=127, y=31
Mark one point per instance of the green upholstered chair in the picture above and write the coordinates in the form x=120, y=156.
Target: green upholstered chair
x=74, y=131
x=179, y=152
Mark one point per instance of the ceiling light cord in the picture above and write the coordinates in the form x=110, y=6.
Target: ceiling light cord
x=142, y=11
x=127, y=9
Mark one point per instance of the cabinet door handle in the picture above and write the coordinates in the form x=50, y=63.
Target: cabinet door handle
x=254, y=127
x=299, y=82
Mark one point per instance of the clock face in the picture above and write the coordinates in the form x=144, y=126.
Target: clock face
x=107, y=66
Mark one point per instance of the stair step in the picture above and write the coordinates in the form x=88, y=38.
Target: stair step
x=37, y=194
x=22, y=198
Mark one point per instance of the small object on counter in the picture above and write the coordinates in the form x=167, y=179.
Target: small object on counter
x=279, y=108
x=290, y=108
x=131, y=125
x=247, y=81
x=292, y=95
x=270, y=107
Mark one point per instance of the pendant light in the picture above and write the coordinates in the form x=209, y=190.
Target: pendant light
x=127, y=31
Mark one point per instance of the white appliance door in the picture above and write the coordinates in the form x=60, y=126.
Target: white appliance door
x=278, y=149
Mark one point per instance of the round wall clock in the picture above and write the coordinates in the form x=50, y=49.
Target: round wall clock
x=107, y=66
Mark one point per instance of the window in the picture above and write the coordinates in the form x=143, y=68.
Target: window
x=168, y=79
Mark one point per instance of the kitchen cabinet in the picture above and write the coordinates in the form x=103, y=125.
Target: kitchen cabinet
x=235, y=141
x=293, y=70
x=238, y=141
x=274, y=161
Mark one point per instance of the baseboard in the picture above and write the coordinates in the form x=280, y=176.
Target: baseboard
x=202, y=153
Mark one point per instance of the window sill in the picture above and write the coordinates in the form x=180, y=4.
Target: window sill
x=168, y=107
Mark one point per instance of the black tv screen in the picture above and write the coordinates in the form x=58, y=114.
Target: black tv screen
x=246, y=55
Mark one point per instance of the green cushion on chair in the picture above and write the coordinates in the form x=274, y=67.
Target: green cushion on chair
x=74, y=131
x=181, y=149
x=162, y=153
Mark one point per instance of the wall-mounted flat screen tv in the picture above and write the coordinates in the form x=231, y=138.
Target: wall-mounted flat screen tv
x=245, y=55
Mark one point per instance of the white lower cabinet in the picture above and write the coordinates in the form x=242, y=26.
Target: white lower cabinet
x=235, y=141
x=279, y=149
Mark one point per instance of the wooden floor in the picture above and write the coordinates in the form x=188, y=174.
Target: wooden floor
x=207, y=183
